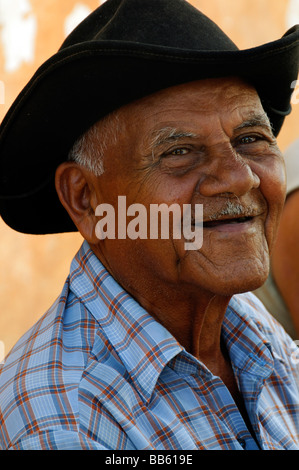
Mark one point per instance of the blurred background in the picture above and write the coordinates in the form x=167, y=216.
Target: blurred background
x=33, y=268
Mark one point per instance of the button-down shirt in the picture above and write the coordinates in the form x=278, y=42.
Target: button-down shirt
x=98, y=372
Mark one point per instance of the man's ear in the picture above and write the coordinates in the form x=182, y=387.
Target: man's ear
x=75, y=189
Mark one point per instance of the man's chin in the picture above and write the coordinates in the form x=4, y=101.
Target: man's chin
x=240, y=286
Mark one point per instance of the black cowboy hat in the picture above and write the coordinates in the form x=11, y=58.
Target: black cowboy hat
x=124, y=50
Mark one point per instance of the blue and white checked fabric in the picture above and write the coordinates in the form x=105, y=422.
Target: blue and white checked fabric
x=98, y=372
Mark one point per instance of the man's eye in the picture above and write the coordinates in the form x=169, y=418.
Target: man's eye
x=249, y=139
x=178, y=151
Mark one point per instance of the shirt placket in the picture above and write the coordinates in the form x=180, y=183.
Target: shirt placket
x=222, y=413
x=251, y=381
x=231, y=419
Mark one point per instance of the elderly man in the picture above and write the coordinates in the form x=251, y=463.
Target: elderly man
x=151, y=345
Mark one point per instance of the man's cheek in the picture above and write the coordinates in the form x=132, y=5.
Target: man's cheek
x=273, y=186
x=272, y=225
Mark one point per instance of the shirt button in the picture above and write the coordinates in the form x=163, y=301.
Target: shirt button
x=242, y=443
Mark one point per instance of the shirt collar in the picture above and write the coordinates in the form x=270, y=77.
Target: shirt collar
x=247, y=339
x=143, y=345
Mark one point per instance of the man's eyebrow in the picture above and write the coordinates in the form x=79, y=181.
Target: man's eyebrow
x=169, y=135
x=260, y=120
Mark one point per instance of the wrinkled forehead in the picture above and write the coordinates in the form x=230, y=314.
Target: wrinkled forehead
x=226, y=86
x=228, y=99
x=210, y=92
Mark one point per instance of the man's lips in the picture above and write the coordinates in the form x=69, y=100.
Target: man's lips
x=227, y=221
x=232, y=216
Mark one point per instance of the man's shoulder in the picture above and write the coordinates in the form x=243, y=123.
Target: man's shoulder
x=270, y=330
x=252, y=307
x=67, y=317
x=40, y=376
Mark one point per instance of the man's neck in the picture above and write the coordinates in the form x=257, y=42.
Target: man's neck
x=195, y=324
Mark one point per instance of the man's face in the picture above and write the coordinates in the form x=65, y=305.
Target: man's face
x=207, y=142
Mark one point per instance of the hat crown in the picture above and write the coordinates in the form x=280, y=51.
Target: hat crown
x=169, y=23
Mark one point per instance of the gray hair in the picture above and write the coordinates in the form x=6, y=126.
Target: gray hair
x=89, y=149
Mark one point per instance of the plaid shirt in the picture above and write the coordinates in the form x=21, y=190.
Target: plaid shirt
x=98, y=372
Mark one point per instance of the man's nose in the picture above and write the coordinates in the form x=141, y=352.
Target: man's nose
x=227, y=173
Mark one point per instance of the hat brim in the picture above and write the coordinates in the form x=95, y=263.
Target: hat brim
x=81, y=84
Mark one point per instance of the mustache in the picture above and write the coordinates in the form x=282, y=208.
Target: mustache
x=235, y=209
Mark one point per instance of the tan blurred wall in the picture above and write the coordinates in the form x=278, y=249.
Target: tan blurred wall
x=33, y=268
